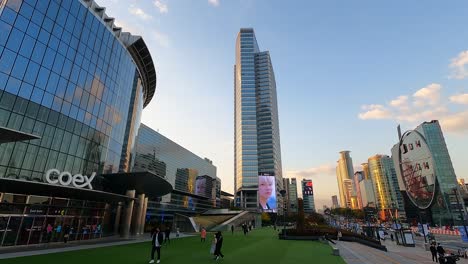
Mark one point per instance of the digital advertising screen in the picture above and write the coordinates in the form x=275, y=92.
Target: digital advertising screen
x=267, y=194
x=307, y=188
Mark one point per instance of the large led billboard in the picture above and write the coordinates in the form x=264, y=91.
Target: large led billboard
x=267, y=193
x=307, y=188
x=417, y=169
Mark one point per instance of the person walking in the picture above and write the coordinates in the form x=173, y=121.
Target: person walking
x=203, y=234
x=434, y=252
x=213, y=245
x=66, y=233
x=167, y=235
x=441, y=252
x=49, y=232
x=219, y=245
x=339, y=235
x=177, y=232
x=156, y=243
x=58, y=231
x=232, y=229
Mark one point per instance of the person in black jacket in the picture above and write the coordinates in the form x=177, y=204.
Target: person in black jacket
x=441, y=252
x=434, y=252
x=156, y=243
x=219, y=245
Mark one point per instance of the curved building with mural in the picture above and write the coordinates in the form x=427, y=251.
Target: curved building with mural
x=72, y=89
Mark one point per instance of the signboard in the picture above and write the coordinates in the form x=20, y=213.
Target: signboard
x=54, y=176
x=267, y=193
x=417, y=169
x=463, y=234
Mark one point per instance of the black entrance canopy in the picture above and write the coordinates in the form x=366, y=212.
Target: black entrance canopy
x=10, y=135
x=145, y=182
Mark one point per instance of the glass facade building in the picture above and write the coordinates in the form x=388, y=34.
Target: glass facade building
x=344, y=175
x=256, y=126
x=386, y=190
x=444, y=209
x=308, y=196
x=196, y=187
x=70, y=77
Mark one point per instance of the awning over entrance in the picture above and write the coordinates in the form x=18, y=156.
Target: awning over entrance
x=146, y=182
x=10, y=135
x=44, y=189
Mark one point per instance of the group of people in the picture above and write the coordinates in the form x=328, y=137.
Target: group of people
x=439, y=250
x=216, y=243
x=246, y=228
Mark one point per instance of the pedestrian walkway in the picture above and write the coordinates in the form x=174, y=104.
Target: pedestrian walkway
x=40, y=249
x=354, y=253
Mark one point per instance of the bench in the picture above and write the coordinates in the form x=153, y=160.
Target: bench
x=335, y=251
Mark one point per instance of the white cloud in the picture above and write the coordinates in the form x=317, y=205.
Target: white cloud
x=139, y=12
x=325, y=169
x=161, y=6
x=459, y=98
x=458, y=66
x=456, y=123
x=214, y=2
x=429, y=95
x=427, y=106
x=375, y=112
x=400, y=102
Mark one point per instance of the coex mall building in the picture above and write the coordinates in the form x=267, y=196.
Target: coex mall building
x=72, y=89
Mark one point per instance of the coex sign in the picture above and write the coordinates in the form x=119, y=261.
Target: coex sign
x=65, y=178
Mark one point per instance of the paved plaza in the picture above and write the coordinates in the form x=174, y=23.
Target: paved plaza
x=354, y=253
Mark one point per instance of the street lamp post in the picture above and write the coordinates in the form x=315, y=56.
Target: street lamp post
x=422, y=225
x=283, y=193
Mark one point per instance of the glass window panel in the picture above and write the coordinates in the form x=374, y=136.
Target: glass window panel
x=41, y=160
x=18, y=154
x=42, y=6
x=38, y=17
x=38, y=53
x=7, y=60
x=20, y=106
x=21, y=23
x=31, y=72
x=52, y=83
x=48, y=24
x=51, y=160
x=44, y=36
x=27, y=46
x=52, y=11
x=5, y=153
x=4, y=115
x=33, y=30
x=57, y=104
x=42, y=78
x=8, y=15
x=19, y=67
x=47, y=100
x=13, y=85
x=26, y=10
x=33, y=108
x=37, y=95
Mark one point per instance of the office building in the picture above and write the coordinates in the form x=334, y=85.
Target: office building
x=292, y=196
x=344, y=174
x=386, y=190
x=308, y=196
x=335, y=203
x=196, y=186
x=257, y=148
x=426, y=174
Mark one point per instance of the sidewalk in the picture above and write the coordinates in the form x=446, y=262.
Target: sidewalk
x=354, y=253
x=56, y=247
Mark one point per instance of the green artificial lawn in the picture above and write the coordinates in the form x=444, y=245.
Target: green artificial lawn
x=260, y=246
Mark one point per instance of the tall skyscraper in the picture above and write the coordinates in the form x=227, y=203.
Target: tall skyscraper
x=426, y=174
x=335, y=203
x=387, y=191
x=308, y=196
x=358, y=175
x=256, y=130
x=286, y=204
x=344, y=174
x=292, y=196
x=366, y=187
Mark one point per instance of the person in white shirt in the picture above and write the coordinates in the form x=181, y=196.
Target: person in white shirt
x=156, y=243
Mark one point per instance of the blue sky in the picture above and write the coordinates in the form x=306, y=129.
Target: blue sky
x=347, y=73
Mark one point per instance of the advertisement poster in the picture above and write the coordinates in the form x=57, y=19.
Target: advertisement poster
x=267, y=194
